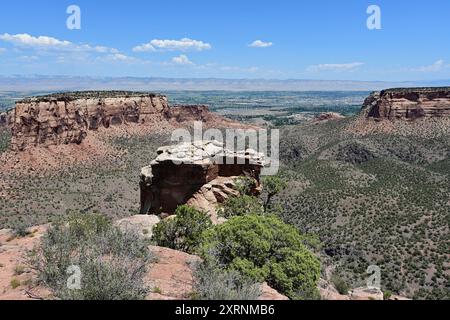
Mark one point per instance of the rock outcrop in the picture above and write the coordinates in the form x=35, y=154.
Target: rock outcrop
x=66, y=118
x=328, y=116
x=408, y=104
x=190, y=113
x=192, y=171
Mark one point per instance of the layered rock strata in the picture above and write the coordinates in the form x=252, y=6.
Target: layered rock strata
x=67, y=118
x=192, y=172
x=408, y=104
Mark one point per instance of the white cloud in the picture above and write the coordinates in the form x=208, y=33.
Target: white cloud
x=239, y=69
x=435, y=67
x=25, y=39
x=182, y=60
x=2, y=50
x=50, y=43
x=184, y=44
x=120, y=57
x=28, y=58
x=335, y=67
x=260, y=44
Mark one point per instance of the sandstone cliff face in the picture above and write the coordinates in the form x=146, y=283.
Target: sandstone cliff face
x=408, y=104
x=190, y=172
x=67, y=118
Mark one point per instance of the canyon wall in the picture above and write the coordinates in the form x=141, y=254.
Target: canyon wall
x=67, y=118
x=408, y=104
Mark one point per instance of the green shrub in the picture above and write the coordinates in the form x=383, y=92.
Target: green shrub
x=272, y=185
x=263, y=248
x=244, y=185
x=184, y=231
x=241, y=206
x=15, y=283
x=387, y=295
x=20, y=230
x=213, y=283
x=340, y=285
x=112, y=263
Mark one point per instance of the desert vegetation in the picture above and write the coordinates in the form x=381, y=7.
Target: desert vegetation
x=378, y=199
x=110, y=263
x=184, y=231
x=5, y=139
x=214, y=283
x=263, y=248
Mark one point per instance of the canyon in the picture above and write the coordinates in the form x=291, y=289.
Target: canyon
x=396, y=126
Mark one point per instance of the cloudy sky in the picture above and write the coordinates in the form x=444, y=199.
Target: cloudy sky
x=228, y=39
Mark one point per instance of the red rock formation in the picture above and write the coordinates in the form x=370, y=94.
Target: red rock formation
x=190, y=113
x=66, y=118
x=180, y=174
x=327, y=116
x=408, y=104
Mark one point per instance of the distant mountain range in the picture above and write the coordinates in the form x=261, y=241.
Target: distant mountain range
x=64, y=83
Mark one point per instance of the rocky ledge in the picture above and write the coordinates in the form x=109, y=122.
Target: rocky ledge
x=408, y=104
x=200, y=173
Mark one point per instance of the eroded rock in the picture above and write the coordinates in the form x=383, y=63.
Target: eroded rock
x=408, y=104
x=193, y=172
x=67, y=118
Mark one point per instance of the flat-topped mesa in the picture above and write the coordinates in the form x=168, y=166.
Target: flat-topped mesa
x=408, y=103
x=66, y=118
x=182, y=171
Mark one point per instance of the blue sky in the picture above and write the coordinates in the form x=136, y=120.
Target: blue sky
x=321, y=39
